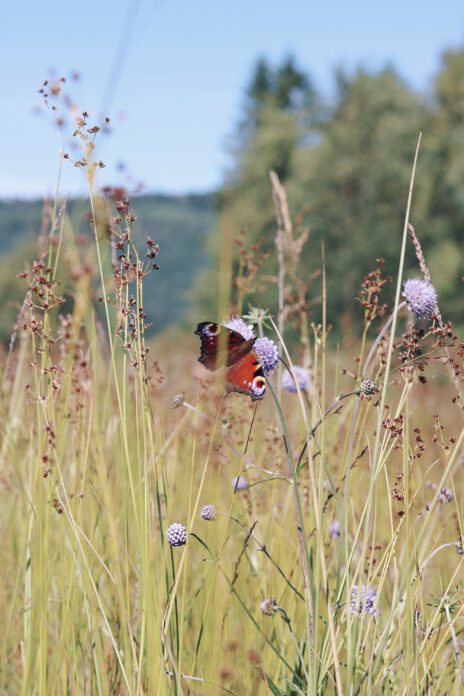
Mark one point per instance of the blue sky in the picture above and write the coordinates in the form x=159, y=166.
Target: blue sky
x=171, y=74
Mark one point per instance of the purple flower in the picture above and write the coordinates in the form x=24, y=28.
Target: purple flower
x=176, y=534
x=445, y=495
x=363, y=600
x=267, y=353
x=302, y=378
x=208, y=512
x=239, y=483
x=334, y=530
x=237, y=324
x=268, y=606
x=421, y=296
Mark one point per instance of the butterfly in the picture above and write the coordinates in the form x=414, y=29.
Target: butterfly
x=222, y=347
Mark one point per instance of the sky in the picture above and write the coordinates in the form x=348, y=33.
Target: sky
x=171, y=76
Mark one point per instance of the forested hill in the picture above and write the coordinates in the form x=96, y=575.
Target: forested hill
x=179, y=224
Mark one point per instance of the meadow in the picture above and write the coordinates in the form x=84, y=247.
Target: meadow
x=159, y=536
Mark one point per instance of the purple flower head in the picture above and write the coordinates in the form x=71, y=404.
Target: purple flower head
x=267, y=353
x=302, y=378
x=445, y=495
x=363, y=600
x=176, y=534
x=421, y=296
x=268, y=606
x=239, y=483
x=237, y=324
x=334, y=530
x=208, y=512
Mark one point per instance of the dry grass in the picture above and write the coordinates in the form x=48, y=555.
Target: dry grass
x=96, y=464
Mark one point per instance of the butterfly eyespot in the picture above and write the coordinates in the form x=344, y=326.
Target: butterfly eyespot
x=211, y=329
x=258, y=386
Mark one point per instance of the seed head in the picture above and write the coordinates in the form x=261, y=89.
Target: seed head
x=176, y=534
x=208, y=512
x=421, y=296
x=367, y=387
x=267, y=352
x=301, y=376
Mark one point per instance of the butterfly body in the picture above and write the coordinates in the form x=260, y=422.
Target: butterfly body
x=224, y=348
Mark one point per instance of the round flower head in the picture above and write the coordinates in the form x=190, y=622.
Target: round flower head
x=268, y=606
x=445, y=495
x=302, y=378
x=421, y=296
x=239, y=483
x=237, y=324
x=334, y=530
x=178, y=400
x=208, y=512
x=267, y=353
x=363, y=600
x=367, y=387
x=176, y=534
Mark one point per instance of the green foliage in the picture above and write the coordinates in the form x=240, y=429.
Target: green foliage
x=351, y=165
x=179, y=224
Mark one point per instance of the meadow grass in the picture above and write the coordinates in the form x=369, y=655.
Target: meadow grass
x=333, y=566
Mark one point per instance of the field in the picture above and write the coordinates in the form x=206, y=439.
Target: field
x=318, y=538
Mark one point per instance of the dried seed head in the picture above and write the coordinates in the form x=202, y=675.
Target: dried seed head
x=367, y=387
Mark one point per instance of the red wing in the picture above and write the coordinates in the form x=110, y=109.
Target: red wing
x=247, y=376
x=221, y=346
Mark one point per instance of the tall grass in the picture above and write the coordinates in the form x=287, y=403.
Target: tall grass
x=334, y=567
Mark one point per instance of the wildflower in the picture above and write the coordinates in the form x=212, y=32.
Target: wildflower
x=421, y=296
x=239, y=483
x=367, y=387
x=237, y=324
x=267, y=352
x=178, y=400
x=176, y=534
x=208, y=512
x=445, y=495
x=363, y=600
x=334, y=530
x=269, y=606
x=302, y=379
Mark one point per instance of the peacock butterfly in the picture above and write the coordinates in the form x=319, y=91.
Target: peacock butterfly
x=222, y=347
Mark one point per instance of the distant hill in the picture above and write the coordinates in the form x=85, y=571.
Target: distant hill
x=179, y=224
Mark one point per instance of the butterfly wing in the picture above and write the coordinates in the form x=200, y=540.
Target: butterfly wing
x=247, y=377
x=222, y=347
